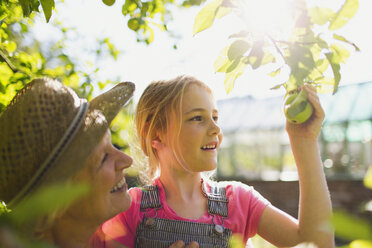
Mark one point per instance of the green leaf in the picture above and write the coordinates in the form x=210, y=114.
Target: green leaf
x=256, y=54
x=231, y=76
x=222, y=11
x=320, y=15
x=368, y=178
x=47, y=5
x=277, y=86
x=223, y=63
x=241, y=34
x=324, y=84
x=361, y=244
x=336, y=70
x=47, y=200
x=205, y=18
x=26, y=7
x=291, y=84
x=274, y=73
x=340, y=53
x=237, y=49
x=347, y=11
x=341, y=38
x=317, y=72
x=349, y=227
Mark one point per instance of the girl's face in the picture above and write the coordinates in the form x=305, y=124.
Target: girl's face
x=200, y=136
x=104, y=173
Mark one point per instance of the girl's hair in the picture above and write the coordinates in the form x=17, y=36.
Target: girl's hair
x=161, y=103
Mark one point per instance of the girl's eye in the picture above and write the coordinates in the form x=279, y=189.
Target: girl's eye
x=104, y=158
x=215, y=118
x=196, y=118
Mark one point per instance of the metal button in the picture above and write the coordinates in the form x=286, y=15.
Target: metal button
x=218, y=229
x=150, y=222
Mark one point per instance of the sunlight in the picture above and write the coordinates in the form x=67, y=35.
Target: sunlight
x=268, y=17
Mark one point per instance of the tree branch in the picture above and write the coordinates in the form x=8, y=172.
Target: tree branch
x=8, y=62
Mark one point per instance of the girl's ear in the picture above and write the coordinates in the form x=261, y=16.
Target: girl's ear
x=157, y=143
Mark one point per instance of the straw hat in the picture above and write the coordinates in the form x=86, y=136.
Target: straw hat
x=47, y=132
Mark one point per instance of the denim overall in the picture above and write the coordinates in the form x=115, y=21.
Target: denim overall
x=159, y=233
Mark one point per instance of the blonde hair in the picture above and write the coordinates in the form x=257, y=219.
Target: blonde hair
x=159, y=105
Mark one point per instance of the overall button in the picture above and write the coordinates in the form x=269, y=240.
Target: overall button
x=150, y=222
x=218, y=229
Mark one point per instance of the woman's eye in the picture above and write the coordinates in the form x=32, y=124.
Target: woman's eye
x=104, y=158
x=215, y=118
x=196, y=118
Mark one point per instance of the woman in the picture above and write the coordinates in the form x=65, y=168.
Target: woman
x=49, y=135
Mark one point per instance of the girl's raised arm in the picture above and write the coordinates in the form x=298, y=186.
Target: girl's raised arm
x=315, y=208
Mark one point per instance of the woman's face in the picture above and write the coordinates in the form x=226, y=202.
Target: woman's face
x=104, y=173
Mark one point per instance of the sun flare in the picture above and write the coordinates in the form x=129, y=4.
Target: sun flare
x=268, y=17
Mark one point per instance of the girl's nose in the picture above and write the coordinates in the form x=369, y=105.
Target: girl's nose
x=214, y=128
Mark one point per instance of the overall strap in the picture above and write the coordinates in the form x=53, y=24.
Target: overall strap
x=150, y=197
x=217, y=200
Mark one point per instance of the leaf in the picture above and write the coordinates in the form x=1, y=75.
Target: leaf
x=237, y=49
x=241, y=34
x=205, y=18
x=47, y=5
x=291, y=84
x=340, y=53
x=336, y=70
x=361, y=244
x=274, y=73
x=349, y=227
x=347, y=11
x=320, y=15
x=256, y=54
x=26, y=7
x=222, y=11
x=341, y=38
x=47, y=200
x=231, y=76
x=324, y=84
x=368, y=178
x=223, y=63
x=321, y=67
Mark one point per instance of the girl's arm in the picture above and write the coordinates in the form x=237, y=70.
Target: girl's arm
x=315, y=208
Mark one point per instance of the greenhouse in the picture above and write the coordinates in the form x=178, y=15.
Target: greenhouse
x=256, y=145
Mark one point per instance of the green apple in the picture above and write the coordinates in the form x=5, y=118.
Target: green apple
x=297, y=108
x=108, y=2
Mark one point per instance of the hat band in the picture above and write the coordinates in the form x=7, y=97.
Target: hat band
x=55, y=153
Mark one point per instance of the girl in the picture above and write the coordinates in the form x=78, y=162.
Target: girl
x=177, y=127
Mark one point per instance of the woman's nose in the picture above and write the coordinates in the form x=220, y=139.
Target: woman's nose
x=123, y=160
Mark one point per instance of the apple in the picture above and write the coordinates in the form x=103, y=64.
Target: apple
x=297, y=108
x=108, y=2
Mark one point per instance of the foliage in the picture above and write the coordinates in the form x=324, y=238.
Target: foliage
x=143, y=16
x=23, y=58
x=307, y=53
x=46, y=201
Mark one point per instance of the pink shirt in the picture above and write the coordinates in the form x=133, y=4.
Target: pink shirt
x=244, y=211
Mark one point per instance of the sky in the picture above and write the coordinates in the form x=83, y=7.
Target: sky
x=142, y=64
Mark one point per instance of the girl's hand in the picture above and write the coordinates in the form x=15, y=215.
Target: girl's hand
x=310, y=129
